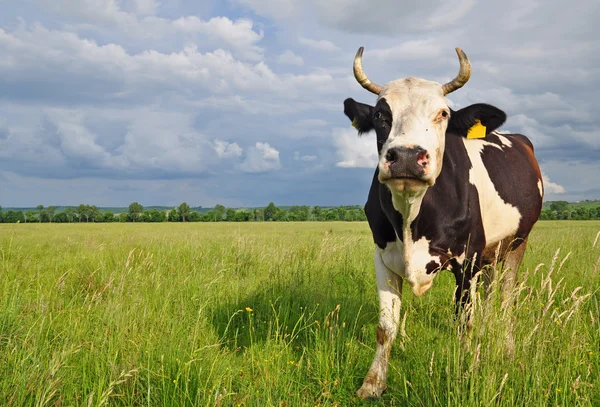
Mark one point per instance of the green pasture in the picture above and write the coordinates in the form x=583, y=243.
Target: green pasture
x=278, y=314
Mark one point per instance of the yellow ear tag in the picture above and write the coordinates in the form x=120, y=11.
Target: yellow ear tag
x=354, y=124
x=477, y=130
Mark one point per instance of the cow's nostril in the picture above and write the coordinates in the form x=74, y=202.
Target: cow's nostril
x=391, y=155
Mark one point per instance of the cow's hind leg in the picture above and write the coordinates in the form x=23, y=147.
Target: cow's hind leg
x=389, y=286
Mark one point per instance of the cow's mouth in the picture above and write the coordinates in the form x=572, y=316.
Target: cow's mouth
x=405, y=184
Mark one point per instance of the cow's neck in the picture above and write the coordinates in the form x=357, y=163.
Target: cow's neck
x=409, y=206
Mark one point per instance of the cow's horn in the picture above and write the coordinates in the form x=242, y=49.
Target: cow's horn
x=463, y=75
x=360, y=75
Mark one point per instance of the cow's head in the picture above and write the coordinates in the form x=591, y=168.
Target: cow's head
x=410, y=118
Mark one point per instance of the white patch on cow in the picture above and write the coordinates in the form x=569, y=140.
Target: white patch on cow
x=408, y=260
x=504, y=140
x=393, y=258
x=416, y=257
x=500, y=219
x=540, y=187
x=387, y=285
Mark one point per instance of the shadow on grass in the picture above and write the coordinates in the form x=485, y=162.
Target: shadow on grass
x=295, y=313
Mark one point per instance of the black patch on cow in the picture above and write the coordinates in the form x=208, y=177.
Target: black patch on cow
x=382, y=122
x=366, y=118
x=360, y=114
x=381, y=228
x=432, y=267
x=516, y=184
x=462, y=120
x=450, y=215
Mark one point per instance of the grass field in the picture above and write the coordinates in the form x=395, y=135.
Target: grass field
x=277, y=314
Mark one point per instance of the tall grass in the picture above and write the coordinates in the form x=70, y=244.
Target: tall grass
x=279, y=315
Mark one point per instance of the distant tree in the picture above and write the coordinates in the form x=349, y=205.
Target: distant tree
x=581, y=213
x=50, y=211
x=94, y=213
x=11, y=216
x=153, y=215
x=299, y=213
x=1, y=215
x=230, y=215
x=559, y=206
x=194, y=216
x=61, y=217
x=135, y=211
x=123, y=217
x=259, y=215
x=270, y=211
x=108, y=217
x=218, y=213
x=280, y=215
x=564, y=215
x=83, y=213
x=184, y=212
x=69, y=213
x=31, y=216
x=40, y=208
x=243, y=216
x=174, y=216
x=317, y=213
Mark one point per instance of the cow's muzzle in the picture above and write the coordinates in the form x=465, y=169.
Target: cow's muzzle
x=407, y=162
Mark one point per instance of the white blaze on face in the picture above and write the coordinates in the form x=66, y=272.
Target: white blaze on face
x=416, y=104
x=500, y=219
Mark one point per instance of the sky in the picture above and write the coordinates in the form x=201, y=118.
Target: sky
x=240, y=102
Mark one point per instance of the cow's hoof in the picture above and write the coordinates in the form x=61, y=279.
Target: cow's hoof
x=372, y=389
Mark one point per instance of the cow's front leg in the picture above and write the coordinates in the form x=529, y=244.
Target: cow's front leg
x=389, y=286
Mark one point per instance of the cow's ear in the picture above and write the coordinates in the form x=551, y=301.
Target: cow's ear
x=489, y=116
x=360, y=114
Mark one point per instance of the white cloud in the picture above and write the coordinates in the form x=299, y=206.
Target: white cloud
x=238, y=34
x=321, y=45
x=261, y=158
x=354, y=151
x=289, y=58
x=299, y=157
x=552, y=187
x=225, y=149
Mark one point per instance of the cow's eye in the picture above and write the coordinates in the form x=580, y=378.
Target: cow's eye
x=444, y=113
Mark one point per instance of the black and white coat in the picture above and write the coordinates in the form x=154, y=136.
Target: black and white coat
x=439, y=200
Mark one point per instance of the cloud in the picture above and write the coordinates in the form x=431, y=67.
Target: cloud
x=288, y=57
x=320, y=45
x=137, y=90
x=299, y=157
x=227, y=150
x=354, y=151
x=261, y=158
x=552, y=187
x=238, y=34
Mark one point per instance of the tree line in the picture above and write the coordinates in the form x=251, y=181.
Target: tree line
x=558, y=210
x=183, y=213
x=562, y=210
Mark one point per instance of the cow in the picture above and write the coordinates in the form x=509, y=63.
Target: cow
x=449, y=193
